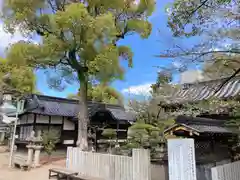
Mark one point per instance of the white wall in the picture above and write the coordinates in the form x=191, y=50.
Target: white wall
x=68, y=125
x=29, y=118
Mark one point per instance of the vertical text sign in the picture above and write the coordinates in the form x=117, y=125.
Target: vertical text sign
x=181, y=159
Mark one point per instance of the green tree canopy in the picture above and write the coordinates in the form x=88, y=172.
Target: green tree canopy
x=21, y=79
x=101, y=93
x=79, y=40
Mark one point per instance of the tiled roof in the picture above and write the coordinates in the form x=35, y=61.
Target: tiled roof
x=205, y=90
x=211, y=128
x=204, y=125
x=69, y=108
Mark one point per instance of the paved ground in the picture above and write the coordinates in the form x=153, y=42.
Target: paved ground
x=16, y=174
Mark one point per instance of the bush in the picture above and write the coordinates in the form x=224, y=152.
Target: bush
x=50, y=139
x=111, y=134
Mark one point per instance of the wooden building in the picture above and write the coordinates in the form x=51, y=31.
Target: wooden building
x=46, y=113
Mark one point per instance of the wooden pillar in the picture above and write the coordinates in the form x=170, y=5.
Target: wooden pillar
x=49, y=124
x=34, y=122
x=117, y=130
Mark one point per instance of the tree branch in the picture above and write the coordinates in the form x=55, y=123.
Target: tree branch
x=197, y=53
x=227, y=80
x=200, y=6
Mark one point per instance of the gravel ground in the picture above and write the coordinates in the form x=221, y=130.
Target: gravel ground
x=40, y=173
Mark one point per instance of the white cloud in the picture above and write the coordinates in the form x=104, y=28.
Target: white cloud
x=142, y=89
x=7, y=38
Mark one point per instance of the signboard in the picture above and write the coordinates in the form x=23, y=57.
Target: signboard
x=181, y=159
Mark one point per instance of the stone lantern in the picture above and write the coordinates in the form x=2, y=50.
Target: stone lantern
x=34, y=149
x=37, y=148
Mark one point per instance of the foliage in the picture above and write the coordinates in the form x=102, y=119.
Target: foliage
x=21, y=79
x=199, y=15
x=210, y=106
x=105, y=94
x=101, y=93
x=163, y=78
x=152, y=119
x=215, y=25
x=73, y=96
x=50, y=139
x=145, y=135
x=109, y=133
x=142, y=135
x=222, y=66
x=79, y=40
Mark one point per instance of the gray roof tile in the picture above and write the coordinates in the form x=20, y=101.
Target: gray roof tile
x=204, y=125
x=205, y=90
x=211, y=128
x=69, y=108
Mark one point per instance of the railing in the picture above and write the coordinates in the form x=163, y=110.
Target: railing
x=226, y=172
x=110, y=167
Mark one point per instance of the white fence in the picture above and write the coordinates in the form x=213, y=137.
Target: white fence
x=226, y=172
x=110, y=167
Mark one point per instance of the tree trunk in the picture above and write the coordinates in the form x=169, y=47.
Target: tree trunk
x=83, y=118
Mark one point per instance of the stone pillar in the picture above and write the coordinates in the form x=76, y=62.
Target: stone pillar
x=37, y=149
x=30, y=154
x=2, y=137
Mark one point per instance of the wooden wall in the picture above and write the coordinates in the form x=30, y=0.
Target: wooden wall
x=31, y=121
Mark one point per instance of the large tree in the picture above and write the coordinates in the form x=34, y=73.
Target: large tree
x=215, y=23
x=79, y=40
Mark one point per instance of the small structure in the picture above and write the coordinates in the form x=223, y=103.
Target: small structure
x=210, y=135
x=210, y=132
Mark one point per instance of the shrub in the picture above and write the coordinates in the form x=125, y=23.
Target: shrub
x=50, y=139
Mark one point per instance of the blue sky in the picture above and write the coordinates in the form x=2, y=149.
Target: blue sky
x=138, y=78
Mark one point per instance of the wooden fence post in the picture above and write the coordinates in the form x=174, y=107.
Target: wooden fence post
x=141, y=164
x=69, y=157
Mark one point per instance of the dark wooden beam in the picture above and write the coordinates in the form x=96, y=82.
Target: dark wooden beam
x=49, y=124
x=34, y=121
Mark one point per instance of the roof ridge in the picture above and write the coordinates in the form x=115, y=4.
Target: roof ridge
x=73, y=101
x=199, y=120
x=212, y=80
